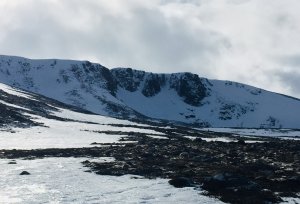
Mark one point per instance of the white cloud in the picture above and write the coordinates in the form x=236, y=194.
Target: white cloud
x=249, y=41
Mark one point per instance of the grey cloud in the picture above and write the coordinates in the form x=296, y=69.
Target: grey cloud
x=195, y=2
x=292, y=61
x=238, y=1
x=291, y=80
x=173, y=44
x=232, y=39
x=146, y=39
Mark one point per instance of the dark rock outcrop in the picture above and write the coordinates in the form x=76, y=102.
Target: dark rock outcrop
x=181, y=182
x=24, y=173
x=190, y=87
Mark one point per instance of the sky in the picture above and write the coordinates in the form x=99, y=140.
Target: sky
x=256, y=42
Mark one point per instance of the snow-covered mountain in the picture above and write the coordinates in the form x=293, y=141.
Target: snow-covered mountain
x=131, y=94
x=109, y=158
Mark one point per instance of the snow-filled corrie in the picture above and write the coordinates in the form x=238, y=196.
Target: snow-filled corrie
x=63, y=180
x=134, y=94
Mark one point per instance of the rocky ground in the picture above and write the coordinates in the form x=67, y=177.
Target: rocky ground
x=234, y=172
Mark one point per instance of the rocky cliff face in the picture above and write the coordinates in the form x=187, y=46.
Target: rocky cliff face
x=128, y=78
x=187, y=85
x=132, y=94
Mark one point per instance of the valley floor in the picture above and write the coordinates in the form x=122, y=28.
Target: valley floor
x=94, y=159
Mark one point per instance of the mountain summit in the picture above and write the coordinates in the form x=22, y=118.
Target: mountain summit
x=131, y=94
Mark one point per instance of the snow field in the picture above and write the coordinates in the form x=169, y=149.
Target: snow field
x=63, y=180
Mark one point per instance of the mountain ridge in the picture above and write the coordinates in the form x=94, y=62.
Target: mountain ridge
x=133, y=94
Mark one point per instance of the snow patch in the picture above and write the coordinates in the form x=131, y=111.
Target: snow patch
x=63, y=180
x=257, y=132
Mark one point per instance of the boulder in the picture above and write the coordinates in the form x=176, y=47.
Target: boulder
x=181, y=182
x=24, y=173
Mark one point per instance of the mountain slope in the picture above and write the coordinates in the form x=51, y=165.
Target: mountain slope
x=131, y=94
x=19, y=108
x=29, y=121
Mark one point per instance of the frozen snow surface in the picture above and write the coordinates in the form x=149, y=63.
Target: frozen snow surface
x=63, y=180
x=290, y=200
x=66, y=134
